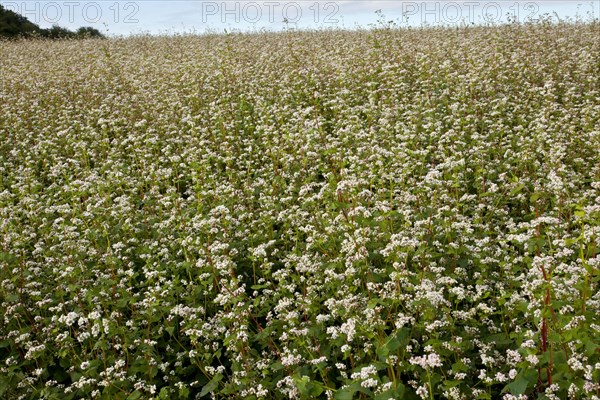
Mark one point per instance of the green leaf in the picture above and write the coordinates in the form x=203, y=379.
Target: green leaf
x=135, y=395
x=519, y=386
x=347, y=393
x=101, y=344
x=590, y=347
x=7, y=257
x=12, y=298
x=390, y=394
x=184, y=392
x=570, y=242
x=459, y=366
x=277, y=366
x=164, y=393
x=517, y=189
x=450, y=384
x=212, y=385
x=3, y=385
x=308, y=387
x=373, y=303
x=258, y=287
x=387, y=395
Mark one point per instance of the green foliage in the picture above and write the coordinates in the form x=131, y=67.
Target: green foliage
x=13, y=25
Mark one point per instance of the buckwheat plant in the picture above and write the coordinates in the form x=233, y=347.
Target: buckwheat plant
x=384, y=213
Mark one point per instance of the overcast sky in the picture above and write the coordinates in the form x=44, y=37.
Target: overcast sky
x=158, y=16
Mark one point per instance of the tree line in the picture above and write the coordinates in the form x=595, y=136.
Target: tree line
x=13, y=25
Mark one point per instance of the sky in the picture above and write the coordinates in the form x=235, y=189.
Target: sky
x=116, y=17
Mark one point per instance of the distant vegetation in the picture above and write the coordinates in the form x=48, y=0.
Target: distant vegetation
x=13, y=25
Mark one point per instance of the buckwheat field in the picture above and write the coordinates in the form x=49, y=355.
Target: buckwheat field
x=384, y=213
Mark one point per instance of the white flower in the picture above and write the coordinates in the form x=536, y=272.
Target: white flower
x=532, y=359
x=422, y=392
x=431, y=360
